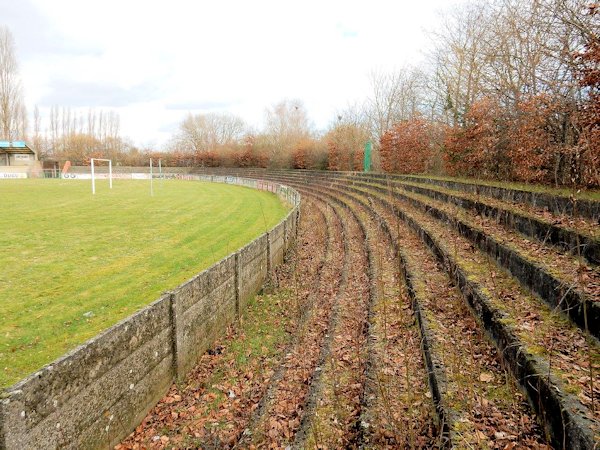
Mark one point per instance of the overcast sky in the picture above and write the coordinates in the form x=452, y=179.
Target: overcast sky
x=155, y=61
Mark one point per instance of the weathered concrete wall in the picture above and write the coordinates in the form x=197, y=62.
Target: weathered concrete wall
x=97, y=394
x=91, y=396
x=277, y=243
x=290, y=230
x=252, y=269
x=211, y=294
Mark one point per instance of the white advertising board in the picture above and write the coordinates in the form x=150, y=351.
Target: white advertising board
x=104, y=176
x=12, y=175
x=77, y=176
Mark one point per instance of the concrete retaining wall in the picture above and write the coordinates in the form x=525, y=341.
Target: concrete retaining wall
x=253, y=266
x=210, y=294
x=277, y=244
x=95, y=395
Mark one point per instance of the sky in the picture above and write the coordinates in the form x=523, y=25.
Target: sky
x=154, y=62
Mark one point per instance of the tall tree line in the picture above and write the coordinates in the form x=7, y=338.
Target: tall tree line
x=13, y=115
x=511, y=94
x=510, y=90
x=67, y=134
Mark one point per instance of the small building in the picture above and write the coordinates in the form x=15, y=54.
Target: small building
x=18, y=160
x=16, y=153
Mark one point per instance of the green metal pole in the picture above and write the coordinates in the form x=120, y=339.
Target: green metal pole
x=367, y=162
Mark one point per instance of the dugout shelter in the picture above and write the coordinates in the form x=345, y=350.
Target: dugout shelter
x=16, y=157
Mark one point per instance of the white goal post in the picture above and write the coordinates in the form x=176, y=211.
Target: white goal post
x=109, y=173
x=151, y=164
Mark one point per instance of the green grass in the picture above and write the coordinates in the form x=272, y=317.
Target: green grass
x=72, y=265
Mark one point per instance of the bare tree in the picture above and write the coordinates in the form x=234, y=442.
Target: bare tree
x=37, y=121
x=354, y=114
x=288, y=118
x=77, y=134
x=203, y=132
x=37, y=139
x=54, y=130
x=12, y=109
x=578, y=16
x=346, y=139
x=91, y=122
x=507, y=49
x=506, y=62
x=458, y=62
x=528, y=55
x=396, y=96
x=286, y=125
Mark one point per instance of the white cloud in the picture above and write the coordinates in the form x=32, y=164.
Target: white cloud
x=143, y=58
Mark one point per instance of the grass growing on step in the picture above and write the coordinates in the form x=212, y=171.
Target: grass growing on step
x=213, y=405
x=537, y=188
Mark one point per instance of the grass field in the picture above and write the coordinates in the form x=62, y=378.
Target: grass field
x=72, y=265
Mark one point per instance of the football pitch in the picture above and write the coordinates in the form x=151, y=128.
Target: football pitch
x=73, y=264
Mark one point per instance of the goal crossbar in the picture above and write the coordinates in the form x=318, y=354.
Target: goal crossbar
x=109, y=173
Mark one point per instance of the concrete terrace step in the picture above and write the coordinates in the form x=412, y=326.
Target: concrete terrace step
x=547, y=392
x=558, y=289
